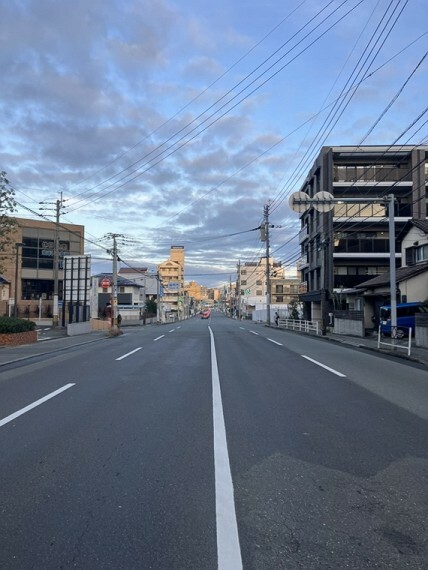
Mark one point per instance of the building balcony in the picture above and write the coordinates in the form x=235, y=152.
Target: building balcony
x=303, y=234
x=302, y=263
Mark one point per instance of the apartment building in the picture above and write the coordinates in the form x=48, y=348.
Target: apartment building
x=342, y=248
x=171, y=275
x=31, y=260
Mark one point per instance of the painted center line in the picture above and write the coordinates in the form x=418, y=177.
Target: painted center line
x=159, y=337
x=228, y=548
x=274, y=341
x=324, y=366
x=34, y=405
x=252, y=332
x=129, y=353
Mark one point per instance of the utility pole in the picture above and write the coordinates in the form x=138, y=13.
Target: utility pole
x=58, y=204
x=58, y=207
x=392, y=272
x=268, y=292
x=239, y=290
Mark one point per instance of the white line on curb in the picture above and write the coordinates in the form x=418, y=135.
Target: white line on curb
x=34, y=405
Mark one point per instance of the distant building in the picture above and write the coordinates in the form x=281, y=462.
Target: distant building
x=171, y=275
x=34, y=263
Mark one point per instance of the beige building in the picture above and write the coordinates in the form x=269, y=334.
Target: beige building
x=171, y=275
x=31, y=258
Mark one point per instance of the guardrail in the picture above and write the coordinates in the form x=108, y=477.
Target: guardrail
x=301, y=326
x=395, y=339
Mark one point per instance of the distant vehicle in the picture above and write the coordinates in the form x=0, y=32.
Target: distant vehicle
x=405, y=317
x=206, y=314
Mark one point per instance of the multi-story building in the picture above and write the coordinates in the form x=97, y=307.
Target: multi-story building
x=350, y=244
x=171, y=275
x=31, y=259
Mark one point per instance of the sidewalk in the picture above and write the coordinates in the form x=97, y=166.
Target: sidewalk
x=417, y=354
x=50, y=340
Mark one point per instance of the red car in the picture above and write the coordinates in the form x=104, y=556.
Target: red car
x=206, y=314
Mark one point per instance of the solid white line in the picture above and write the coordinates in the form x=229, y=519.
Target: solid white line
x=34, y=405
x=274, y=341
x=129, y=353
x=324, y=366
x=161, y=336
x=252, y=332
x=228, y=549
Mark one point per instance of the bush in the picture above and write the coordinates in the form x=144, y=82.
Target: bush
x=13, y=325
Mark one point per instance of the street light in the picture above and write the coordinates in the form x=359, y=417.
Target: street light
x=15, y=303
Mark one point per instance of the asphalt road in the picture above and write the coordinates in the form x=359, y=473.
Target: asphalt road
x=213, y=444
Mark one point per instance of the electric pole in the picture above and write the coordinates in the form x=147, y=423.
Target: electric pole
x=239, y=290
x=268, y=292
x=58, y=208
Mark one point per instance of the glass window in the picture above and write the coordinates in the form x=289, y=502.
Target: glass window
x=259, y=292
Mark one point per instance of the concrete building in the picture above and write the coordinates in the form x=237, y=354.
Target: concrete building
x=345, y=247
x=171, y=275
x=31, y=258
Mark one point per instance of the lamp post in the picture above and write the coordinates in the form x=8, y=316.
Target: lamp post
x=15, y=303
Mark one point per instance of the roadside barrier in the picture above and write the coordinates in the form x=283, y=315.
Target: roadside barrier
x=395, y=339
x=311, y=327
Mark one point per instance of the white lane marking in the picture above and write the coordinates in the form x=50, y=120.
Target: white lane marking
x=324, y=366
x=179, y=327
x=129, y=353
x=34, y=405
x=228, y=549
x=274, y=341
x=242, y=328
x=46, y=338
x=172, y=330
x=252, y=332
x=159, y=337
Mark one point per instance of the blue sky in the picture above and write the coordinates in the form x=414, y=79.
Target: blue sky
x=161, y=120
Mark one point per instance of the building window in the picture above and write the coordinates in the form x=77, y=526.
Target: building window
x=422, y=253
x=279, y=299
x=259, y=292
x=243, y=272
x=280, y=289
x=259, y=282
x=33, y=289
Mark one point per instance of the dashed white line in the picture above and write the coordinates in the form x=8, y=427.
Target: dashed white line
x=172, y=330
x=42, y=339
x=228, y=549
x=252, y=332
x=242, y=328
x=324, y=366
x=34, y=405
x=274, y=341
x=159, y=337
x=129, y=353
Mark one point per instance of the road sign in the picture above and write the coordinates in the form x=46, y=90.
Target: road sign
x=327, y=200
x=105, y=282
x=303, y=198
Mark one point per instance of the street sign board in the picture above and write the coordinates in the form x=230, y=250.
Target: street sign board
x=325, y=201
x=105, y=283
x=299, y=202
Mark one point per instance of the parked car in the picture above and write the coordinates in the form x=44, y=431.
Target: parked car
x=206, y=314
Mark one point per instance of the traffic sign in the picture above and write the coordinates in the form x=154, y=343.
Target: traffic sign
x=105, y=282
x=323, y=201
x=299, y=202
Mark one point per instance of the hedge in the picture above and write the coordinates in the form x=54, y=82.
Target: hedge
x=13, y=325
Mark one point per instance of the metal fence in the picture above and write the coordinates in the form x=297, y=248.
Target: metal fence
x=395, y=340
x=312, y=327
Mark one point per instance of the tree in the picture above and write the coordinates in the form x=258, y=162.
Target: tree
x=294, y=310
x=151, y=307
x=7, y=224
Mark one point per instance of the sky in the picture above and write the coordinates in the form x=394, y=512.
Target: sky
x=174, y=122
